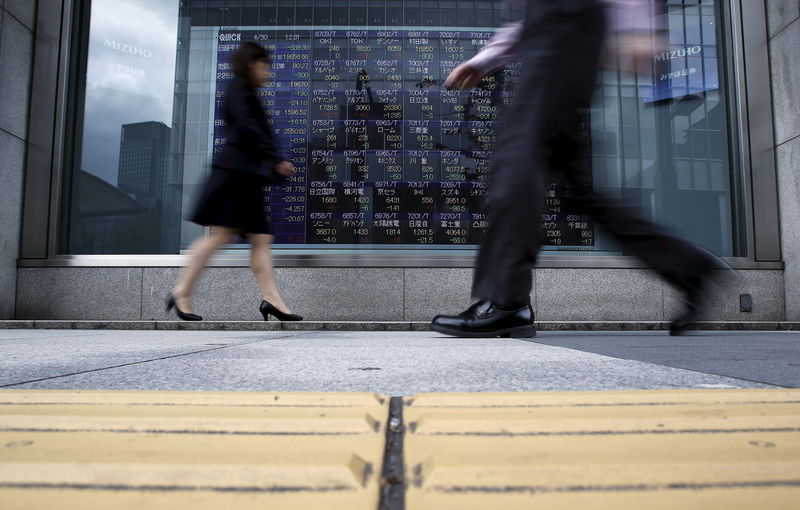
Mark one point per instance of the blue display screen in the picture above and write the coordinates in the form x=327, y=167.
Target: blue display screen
x=384, y=153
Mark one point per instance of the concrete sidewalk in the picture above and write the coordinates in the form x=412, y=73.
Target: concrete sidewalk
x=394, y=363
x=721, y=434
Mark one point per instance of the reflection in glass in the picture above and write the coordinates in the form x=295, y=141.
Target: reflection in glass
x=377, y=141
x=125, y=197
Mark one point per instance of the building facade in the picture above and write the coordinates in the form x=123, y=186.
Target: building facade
x=113, y=112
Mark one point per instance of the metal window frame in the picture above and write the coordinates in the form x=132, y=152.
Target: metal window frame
x=45, y=128
x=750, y=46
x=56, y=56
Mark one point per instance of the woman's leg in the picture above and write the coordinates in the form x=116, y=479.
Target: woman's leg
x=201, y=251
x=261, y=264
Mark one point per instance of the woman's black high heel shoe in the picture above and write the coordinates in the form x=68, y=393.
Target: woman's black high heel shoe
x=170, y=302
x=268, y=309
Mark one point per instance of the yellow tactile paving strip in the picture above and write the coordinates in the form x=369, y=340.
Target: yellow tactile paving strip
x=711, y=449
x=725, y=449
x=170, y=450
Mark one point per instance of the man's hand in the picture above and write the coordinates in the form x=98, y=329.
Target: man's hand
x=463, y=77
x=634, y=52
x=285, y=168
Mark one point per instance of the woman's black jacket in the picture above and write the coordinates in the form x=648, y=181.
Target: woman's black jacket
x=251, y=146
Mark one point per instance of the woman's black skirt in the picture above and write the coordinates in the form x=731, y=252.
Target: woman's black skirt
x=232, y=199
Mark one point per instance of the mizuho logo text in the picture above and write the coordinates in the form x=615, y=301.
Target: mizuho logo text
x=691, y=51
x=128, y=48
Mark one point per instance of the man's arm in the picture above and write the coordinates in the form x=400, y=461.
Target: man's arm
x=496, y=54
x=631, y=19
x=500, y=50
x=625, y=16
x=635, y=38
x=631, y=15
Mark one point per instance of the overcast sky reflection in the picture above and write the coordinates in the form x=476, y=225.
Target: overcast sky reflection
x=130, y=76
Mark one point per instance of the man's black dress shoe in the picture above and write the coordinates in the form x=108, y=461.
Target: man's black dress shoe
x=697, y=292
x=686, y=320
x=695, y=307
x=485, y=319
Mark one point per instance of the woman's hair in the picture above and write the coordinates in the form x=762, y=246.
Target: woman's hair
x=248, y=53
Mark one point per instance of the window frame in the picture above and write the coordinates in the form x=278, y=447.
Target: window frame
x=61, y=51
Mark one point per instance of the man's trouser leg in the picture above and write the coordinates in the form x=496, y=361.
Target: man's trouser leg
x=676, y=260
x=560, y=51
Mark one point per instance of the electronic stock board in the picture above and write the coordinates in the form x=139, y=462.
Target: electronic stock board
x=385, y=155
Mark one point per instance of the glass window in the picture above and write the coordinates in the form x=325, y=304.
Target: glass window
x=124, y=194
x=386, y=157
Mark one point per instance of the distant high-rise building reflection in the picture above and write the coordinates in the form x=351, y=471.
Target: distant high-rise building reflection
x=142, y=213
x=144, y=161
x=144, y=175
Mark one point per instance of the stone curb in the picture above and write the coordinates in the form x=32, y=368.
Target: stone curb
x=380, y=326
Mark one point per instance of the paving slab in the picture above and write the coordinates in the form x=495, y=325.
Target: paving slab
x=128, y=450
x=390, y=363
x=656, y=449
x=27, y=355
x=693, y=449
x=766, y=357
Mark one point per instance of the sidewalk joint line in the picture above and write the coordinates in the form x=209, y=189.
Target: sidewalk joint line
x=170, y=404
x=392, y=473
x=142, y=362
x=640, y=432
x=199, y=432
x=610, y=404
x=170, y=488
x=534, y=489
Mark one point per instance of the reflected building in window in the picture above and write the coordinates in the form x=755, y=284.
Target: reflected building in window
x=144, y=169
x=143, y=161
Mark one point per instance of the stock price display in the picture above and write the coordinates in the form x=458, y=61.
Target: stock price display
x=384, y=154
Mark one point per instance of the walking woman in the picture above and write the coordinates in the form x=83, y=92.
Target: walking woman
x=232, y=200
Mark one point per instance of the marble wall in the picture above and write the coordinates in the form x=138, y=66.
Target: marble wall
x=17, y=22
x=784, y=45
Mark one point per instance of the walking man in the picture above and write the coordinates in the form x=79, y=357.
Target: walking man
x=560, y=45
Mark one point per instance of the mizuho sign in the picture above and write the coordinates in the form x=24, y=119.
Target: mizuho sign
x=127, y=48
x=691, y=51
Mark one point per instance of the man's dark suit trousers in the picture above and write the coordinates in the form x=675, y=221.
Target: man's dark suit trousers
x=560, y=53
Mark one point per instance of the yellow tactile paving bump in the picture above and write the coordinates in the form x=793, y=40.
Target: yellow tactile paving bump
x=692, y=449
x=172, y=450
